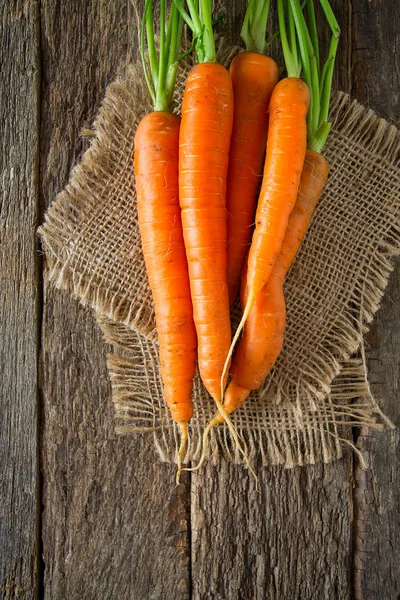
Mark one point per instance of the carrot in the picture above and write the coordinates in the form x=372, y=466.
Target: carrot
x=207, y=114
x=204, y=140
x=156, y=172
x=254, y=76
x=286, y=147
x=207, y=111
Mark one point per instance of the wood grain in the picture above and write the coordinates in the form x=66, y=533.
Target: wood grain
x=19, y=299
x=375, y=82
x=114, y=523
x=291, y=540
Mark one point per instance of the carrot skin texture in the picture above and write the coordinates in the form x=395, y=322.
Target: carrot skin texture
x=207, y=115
x=286, y=148
x=156, y=172
x=312, y=183
x=263, y=334
x=254, y=76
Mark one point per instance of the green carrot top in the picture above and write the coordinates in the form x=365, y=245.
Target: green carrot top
x=163, y=63
x=199, y=19
x=254, y=28
x=299, y=39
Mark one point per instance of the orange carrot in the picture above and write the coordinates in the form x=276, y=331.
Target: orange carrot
x=207, y=115
x=254, y=76
x=207, y=112
x=286, y=147
x=156, y=172
x=263, y=335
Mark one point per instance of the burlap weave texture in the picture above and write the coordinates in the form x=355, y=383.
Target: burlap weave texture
x=319, y=384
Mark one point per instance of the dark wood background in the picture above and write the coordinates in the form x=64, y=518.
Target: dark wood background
x=87, y=515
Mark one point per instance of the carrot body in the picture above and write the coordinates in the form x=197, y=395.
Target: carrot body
x=286, y=148
x=263, y=335
x=207, y=115
x=156, y=171
x=254, y=76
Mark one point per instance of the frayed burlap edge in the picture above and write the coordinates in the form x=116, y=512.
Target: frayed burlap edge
x=63, y=220
x=287, y=434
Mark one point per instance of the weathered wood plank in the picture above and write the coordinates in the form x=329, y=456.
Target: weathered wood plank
x=114, y=524
x=375, y=56
x=19, y=299
x=293, y=540
x=376, y=67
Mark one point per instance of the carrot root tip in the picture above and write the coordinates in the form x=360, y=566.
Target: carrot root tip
x=206, y=433
x=248, y=307
x=183, y=426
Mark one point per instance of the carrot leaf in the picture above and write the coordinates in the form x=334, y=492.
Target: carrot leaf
x=312, y=26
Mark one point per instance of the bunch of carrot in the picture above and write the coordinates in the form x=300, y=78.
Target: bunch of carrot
x=198, y=194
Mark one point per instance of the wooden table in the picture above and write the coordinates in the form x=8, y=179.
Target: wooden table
x=87, y=515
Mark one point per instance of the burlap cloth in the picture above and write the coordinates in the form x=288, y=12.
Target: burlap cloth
x=319, y=384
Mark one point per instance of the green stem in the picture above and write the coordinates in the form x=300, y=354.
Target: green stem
x=312, y=25
x=293, y=68
x=149, y=81
x=292, y=36
x=304, y=46
x=326, y=80
x=208, y=32
x=161, y=91
x=164, y=62
x=150, y=40
x=318, y=139
x=254, y=27
x=330, y=17
x=319, y=83
x=327, y=74
x=194, y=13
x=184, y=14
x=308, y=61
x=271, y=39
x=199, y=20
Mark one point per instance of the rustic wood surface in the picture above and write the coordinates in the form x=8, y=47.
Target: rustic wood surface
x=100, y=517
x=20, y=293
